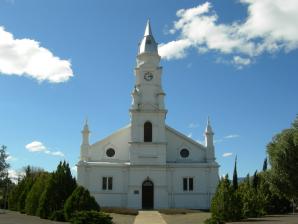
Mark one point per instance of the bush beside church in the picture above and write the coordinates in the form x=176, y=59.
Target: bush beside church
x=55, y=196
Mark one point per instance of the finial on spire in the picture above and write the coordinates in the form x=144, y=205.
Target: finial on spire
x=208, y=128
x=86, y=126
x=148, y=31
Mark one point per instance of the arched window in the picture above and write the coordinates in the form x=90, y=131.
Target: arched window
x=148, y=132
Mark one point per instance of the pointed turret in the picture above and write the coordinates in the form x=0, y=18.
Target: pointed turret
x=209, y=142
x=208, y=127
x=85, y=134
x=148, y=43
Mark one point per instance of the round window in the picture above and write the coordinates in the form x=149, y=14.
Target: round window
x=184, y=153
x=110, y=152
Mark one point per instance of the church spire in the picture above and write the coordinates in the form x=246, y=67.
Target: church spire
x=148, y=43
x=148, y=31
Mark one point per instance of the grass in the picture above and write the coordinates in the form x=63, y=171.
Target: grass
x=122, y=211
x=178, y=211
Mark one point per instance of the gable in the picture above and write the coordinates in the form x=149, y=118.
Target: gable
x=118, y=141
x=177, y=142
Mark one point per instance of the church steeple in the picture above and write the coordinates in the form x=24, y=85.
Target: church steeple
x=148, y=43
x=148, y=111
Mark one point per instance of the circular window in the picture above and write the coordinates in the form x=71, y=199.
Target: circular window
x=110, y=152
x=184, y=153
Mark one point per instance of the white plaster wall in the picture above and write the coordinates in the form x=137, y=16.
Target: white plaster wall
x=176, y=142
x=200, y=197
x=117, y=197
x=137, y=175
x=118, y=141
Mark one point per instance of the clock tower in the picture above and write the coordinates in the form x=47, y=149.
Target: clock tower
x=148, y=140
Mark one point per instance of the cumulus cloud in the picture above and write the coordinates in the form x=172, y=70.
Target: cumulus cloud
x=25, y=57
x=37, y=146
x=227, y=154
x=270, y=26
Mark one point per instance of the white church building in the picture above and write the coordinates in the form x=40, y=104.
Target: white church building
x=147, y=164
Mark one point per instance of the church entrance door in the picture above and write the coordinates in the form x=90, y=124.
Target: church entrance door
x=147, y=194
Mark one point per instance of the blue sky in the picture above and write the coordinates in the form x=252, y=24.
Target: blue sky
x=63, y=61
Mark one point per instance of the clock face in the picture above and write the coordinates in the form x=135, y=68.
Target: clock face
x=148, y=76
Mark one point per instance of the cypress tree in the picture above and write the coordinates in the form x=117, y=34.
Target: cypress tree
x=265, y=164
x=255, y=180
x=58, y=189
x=235, y=176
x=32, y=200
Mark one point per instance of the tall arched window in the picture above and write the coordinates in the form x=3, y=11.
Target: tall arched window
x=148, y=132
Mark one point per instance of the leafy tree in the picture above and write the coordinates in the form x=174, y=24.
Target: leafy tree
x=252, y=201
x=273, y=203
x=235, y=176
x=32, y=199
x=31, y=174
x=226, y=203
x=255, y=180
x=3, y=163
x=59, y=187
x=5, y=182
x=79, y=200
x=265, y=164
x=283, y=158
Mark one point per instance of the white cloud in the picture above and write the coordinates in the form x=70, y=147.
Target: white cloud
x=11, y=158
x=189, y=135
x=227, y=154
x=271, y=26
x=57, y=153
x=25, y=57
x=240, y=61
x=193, y=125
x=174, y=49
x=14, y=175
x=37, y=146
x=232, y=136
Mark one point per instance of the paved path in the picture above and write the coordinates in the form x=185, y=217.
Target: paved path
x=149, y=217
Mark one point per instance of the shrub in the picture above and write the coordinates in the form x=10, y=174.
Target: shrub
x=226, y=204
x=79, y=200
x=34, y=194
x=91, y=217
x=60, y=185
x=58, y=216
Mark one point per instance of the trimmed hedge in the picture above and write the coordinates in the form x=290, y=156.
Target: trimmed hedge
x=79, y=200
x=91, y=217
x=58, y=216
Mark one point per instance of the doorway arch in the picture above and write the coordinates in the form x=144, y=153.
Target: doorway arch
x=147, y=194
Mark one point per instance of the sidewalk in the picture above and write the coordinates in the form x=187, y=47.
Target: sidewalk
x=149, y=217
